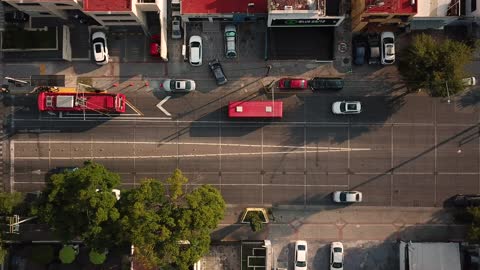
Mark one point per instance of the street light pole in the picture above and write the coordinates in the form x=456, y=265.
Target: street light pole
x=448, y=93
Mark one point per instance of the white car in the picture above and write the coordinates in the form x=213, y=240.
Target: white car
x=176, y=29
x=230, y=41
x=301, y=251
x=195, y=45
x=336, y=256
x=347, y=107
x=179, y=85
x=100, y=48
x=470, y=81
x=387, y=50
x=347, y=196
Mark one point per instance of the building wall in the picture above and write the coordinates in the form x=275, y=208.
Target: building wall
x=472, y=8
x=45, y=8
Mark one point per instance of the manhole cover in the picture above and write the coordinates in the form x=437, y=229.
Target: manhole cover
x=342, y=47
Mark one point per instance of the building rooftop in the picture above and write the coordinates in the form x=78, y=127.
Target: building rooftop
x=223, y=6
x=107, y=5
x=295, y=4
x=392, y=6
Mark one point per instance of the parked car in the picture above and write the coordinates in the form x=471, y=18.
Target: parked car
x=318, y=83
x=374, y=48
x=469, y=200
x=301, y=255
x=387, y=40
x=347, y=107
x=176, y=28
x=155, y=46
x=470, y=81
x=359, y=53
x=336, y=256
x=292, y=83
x=217, y=72
x=178, y=85
x=195, y=45
x=347, y=196
x=230, y=41
x=100, y=48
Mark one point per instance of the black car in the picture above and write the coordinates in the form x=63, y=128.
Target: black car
x=359, y=53
x=461, y=200
x=217, y=72
x=319, y=83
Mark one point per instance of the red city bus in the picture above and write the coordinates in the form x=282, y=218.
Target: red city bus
x=97, y=102
x=257, y=109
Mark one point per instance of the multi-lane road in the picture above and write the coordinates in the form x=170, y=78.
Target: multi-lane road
x=404, y=151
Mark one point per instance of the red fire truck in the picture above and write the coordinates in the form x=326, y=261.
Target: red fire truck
x=83, y=101
x=256, y=109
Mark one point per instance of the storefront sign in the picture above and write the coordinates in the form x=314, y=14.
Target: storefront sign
x=305, y=22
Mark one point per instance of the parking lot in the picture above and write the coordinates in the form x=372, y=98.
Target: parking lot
x=358, y=255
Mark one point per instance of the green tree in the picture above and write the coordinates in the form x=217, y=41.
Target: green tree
x=201, y=212
x=10, y=201
x=170, y=229
x=72, y=205
x=433, y=65
x=176, y=182
x=147, y=219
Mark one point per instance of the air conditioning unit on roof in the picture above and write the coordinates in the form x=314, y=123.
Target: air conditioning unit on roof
x=288, y=8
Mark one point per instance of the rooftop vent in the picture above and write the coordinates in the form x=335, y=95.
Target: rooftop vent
x=288, y=7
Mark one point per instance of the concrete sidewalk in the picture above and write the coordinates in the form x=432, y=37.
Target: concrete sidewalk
x=331, y=223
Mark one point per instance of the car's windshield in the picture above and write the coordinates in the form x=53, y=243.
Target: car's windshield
x=301, y=264
x=342, y=109
x=343, y=196
x=337, y=265
x=195, y=44
x=286, y=83
x=337, y=249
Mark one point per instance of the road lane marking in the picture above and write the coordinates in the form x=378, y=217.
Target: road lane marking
x=184, y=156
x=159, y=105
x=189, y=143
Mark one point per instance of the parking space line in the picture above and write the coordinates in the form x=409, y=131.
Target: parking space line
x=391, y=165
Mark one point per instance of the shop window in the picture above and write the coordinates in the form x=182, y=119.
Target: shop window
x=473, y=5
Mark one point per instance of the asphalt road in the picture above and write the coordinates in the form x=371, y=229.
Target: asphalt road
x=402, y=151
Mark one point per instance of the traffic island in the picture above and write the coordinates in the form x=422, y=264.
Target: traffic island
x=256, y=217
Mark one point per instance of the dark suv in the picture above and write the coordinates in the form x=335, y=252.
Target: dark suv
x=217, y=72
x=318, y=83
x=461, y=200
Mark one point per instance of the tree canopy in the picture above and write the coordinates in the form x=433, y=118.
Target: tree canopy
x=80, y=204
x=435, y=65
x=167, y=225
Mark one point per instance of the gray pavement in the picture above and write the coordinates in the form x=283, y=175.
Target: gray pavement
x=347, y=223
